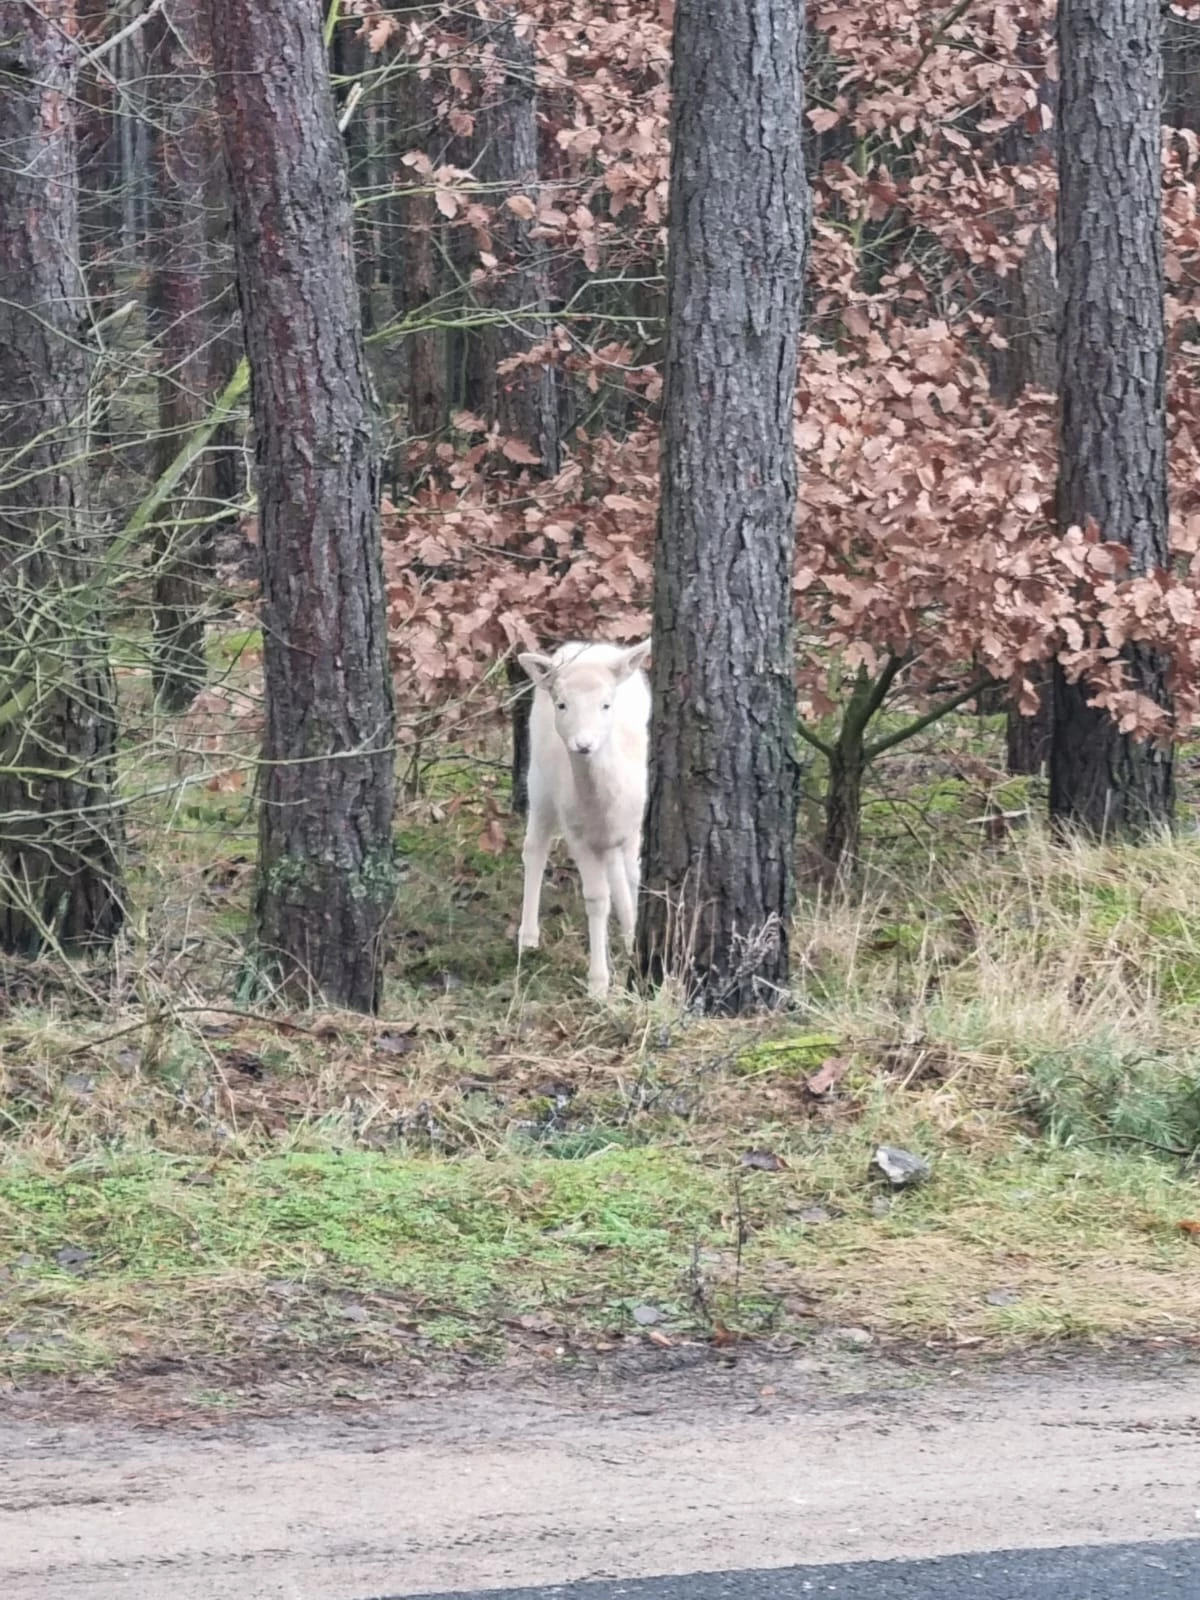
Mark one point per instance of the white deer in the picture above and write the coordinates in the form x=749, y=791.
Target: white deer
x=588, y=739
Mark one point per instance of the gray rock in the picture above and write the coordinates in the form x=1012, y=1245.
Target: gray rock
x=900, y=1167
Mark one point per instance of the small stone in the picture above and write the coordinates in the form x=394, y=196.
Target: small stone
x=881, y=1206
x=71, y=1256
x=858, y=1338
x=814, y=1215
x=900, y=1167
x=647, y=1316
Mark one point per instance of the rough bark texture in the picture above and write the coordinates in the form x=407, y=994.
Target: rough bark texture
x=1111, y=379
x=413, y=266
x=1027, y=739
x=721, y=817
x=1181, y=71
x=325, y=869
x=1027, y=317
x=524, y=403
x=99, y=212
x=59, y=826
x=350, y=59
x=184, y=152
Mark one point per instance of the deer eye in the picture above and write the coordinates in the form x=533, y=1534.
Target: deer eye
x=607, y=706
x=560, y=705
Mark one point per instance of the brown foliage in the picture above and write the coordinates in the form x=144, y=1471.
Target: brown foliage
x=926, y=523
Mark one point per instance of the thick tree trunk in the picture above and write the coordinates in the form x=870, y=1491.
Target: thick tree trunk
x=59, y=823
x=1112, y=384
x=719, y=848
x=183, y=576
x=326, y=873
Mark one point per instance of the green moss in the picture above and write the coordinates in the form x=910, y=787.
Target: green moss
x=795, y=1055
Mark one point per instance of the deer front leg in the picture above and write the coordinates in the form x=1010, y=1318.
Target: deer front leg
x=593, y=873
x=536, y=853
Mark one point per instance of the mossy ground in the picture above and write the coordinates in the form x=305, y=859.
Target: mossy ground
x=496, y=1158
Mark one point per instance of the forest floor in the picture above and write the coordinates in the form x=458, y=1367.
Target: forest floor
x=497, y=1170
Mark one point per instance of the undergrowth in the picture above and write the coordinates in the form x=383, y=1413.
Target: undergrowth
x=496, y=1158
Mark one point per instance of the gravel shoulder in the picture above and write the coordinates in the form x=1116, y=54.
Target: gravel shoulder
x=767, y=1463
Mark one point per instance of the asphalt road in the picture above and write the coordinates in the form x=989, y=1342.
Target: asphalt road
x=1160, y=1571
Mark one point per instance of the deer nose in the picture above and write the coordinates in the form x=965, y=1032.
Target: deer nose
x=582, y=747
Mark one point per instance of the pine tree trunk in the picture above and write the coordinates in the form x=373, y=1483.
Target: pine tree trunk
x=1112, y=381
x=413, y=266
x=523, y=403
x=719, y=848
x=350, y=59
x=99, y=214
x=60, y=830
x=1181, y=71
x=326, y=873
x=1027, y=317
x=183, y=577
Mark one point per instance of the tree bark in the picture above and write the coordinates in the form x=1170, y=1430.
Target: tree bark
x=719, y=846
x=523, y=404
x=183, y=573
x=1027, y=739
x=350, y=60
x=413, y=267
x=1027, y=317
x=99, y=214
x=60, y=835
x=1111, y=381
x=326, y=874
x=1181, y=71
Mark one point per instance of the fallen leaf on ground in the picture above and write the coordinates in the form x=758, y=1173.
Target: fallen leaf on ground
x=828, y=1075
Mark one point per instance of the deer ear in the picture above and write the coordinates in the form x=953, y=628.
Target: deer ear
x=537, y=667
x=635, y=656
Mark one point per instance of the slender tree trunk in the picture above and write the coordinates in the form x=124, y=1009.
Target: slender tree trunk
x=413, y=267
x=1027, y=739
x=183, y=577
x=99, y=216
x=1027, y=317
x=719, y=847
x=1112, y=381
x=522, y=403
x=1181, y=70
x=350, y=59
x=843, y=811
x=59, y=824
x=326, y=873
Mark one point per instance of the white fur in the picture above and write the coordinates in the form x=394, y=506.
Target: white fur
x=588, y=747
